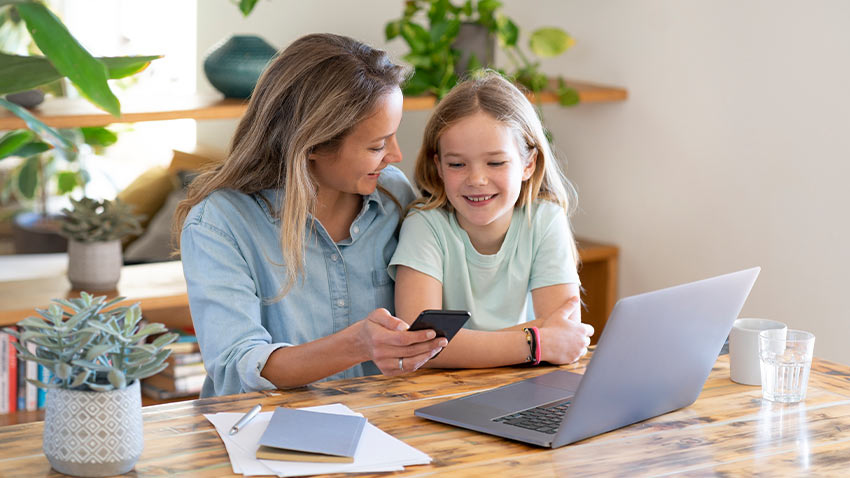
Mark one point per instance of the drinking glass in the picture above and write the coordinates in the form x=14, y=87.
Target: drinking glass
x=786, y=359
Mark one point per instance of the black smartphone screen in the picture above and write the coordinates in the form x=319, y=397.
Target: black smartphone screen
x=445, y=322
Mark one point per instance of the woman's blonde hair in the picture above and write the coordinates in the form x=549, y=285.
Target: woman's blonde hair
x=490, y=93
x=307, y=100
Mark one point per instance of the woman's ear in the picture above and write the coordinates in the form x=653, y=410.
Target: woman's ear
x=530, y=165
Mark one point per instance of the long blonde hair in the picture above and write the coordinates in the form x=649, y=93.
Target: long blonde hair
x=307, y=100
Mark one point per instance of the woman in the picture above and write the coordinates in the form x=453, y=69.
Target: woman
x=285, y=245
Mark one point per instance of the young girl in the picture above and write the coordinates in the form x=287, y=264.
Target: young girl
x=490, y=227
x=285, y=245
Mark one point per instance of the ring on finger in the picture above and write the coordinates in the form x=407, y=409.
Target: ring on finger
x=401, y=363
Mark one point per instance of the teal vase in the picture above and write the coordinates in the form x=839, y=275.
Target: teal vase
x=233, y=66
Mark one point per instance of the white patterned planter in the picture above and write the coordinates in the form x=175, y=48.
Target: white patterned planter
x=93, y=433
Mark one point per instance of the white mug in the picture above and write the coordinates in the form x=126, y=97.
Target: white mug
x=744, y=365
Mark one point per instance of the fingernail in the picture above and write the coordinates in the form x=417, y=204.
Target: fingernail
x=431, y=334
x=443, y=343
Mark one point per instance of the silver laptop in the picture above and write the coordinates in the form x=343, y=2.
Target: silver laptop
x=653, y=357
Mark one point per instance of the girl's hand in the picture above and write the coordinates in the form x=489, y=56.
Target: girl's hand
x=563, y=339
x=385, y=340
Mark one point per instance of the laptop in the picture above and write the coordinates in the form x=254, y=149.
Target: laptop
x=653, y=357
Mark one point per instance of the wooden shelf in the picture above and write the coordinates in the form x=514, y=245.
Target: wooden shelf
x=70, y=113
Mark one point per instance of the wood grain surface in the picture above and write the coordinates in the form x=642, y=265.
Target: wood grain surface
x=728, y=431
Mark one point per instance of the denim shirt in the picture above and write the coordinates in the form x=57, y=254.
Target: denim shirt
x=234, y=268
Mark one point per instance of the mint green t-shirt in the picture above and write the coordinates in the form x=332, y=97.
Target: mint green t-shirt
x=493, y=288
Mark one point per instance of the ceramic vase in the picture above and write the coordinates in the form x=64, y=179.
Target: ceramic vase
x=233, y=66
x=93, y=433
x=94, y=266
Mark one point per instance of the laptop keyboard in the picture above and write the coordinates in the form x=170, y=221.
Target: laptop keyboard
x=544, y=419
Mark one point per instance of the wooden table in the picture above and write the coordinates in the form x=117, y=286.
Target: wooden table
x=729, y=431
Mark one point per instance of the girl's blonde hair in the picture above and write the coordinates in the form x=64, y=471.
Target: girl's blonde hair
x=497, y=97
x=307, y=100
x=490, y=93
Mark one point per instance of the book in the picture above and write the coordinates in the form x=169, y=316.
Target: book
x=181, y=358
x=184, y=370
x=159, y=394
x=32, y=374
x=4, y=372
x=301, y=435
x=190, y=384
x=13, y=374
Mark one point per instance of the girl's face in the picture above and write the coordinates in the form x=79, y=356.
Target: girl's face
x=482, y=170
x=371, y=145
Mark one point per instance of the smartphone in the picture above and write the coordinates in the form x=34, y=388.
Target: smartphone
x=445, y=322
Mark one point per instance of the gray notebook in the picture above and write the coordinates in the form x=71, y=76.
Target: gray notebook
x=313, y=432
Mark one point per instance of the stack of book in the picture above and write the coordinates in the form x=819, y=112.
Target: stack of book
x=16, y=393
x=185, y=374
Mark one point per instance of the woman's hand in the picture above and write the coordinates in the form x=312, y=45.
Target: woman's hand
x=385, y=340
x=563, y=338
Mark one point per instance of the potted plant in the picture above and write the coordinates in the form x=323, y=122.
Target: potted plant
x=439, y=58
x=95, y=357
x=94, y=230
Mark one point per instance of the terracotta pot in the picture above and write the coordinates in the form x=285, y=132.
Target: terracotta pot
x=93, y=433
x=94, y=266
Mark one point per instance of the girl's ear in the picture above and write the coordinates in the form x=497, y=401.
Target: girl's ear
x=437, y=164
x=528, y=170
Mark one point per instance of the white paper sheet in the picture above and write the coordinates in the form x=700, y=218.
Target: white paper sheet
x=377, y=451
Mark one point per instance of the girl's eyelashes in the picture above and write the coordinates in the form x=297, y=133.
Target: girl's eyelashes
x=497, y=163
x=454, y=165
x=378, y=149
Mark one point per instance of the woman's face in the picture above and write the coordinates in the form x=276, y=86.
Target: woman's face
x=355, y=166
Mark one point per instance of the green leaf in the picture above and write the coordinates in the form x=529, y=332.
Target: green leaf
x=98, y=136
x=567, y=96
x=117, y=378
x=508, y=32
x=13, y=141
x=100, y=388
x=416, y=36
x=123, y=66
x=23, y=73
x=28, y=177
x=62, y=370
x=33, y=148
x=68, y=56
x=164, y=340
x=246, y=6
x=549, y=42
x=80, y=378
x=46, y=133
x=67, y=181
x=98, y=350
x=392, y=29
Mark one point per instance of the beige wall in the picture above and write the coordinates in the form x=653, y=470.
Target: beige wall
x=732, y=150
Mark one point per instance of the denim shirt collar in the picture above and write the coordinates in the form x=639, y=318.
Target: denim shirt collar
x=274, y=196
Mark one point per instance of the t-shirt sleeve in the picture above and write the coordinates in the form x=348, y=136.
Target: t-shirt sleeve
x=553, y=261
x=418, y=247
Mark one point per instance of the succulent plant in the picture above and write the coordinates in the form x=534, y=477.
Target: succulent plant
x=91, y=220
x=88, y=346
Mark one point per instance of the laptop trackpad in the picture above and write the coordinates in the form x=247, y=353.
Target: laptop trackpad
x=518, y=396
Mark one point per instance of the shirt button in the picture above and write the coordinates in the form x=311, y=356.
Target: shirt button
x=340, y=303
x=355, y=229
x=334, y=257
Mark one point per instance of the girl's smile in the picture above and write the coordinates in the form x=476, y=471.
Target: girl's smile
x=482, y=171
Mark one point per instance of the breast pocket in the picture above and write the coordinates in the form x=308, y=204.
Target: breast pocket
x=382, y=283
x=383, y=287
